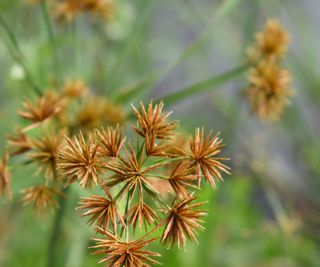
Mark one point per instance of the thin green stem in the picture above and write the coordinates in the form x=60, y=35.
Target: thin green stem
x=224, y=9
x=204, y=86
x=126, y=219
x=200, y=87
x=17, y=55
x=155, y=77
x=53, y=247
x=115, y=72
x=52, y=40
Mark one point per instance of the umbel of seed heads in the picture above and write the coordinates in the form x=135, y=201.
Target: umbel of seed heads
x=130, y=178
x=269, y=89
x=51, y=116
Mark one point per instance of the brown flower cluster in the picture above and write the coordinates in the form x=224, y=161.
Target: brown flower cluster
x=130, y=177
x=272, y=42
x=48, y=119
x=270, y=84
x=68, y=10
x=5, y=176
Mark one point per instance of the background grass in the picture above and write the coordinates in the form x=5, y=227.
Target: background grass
x=267, y=212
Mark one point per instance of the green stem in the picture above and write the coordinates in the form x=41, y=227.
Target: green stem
x=56, y=230
x=126, y=220
x=52, y=40
x=17, y=55
x=204, y=86
x=225, y=8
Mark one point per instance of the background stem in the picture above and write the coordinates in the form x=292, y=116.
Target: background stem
x=203, y=86
x=52, y=40
x=17, y=55
x=56, y=230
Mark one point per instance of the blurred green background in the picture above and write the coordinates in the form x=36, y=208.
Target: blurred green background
x=267, y=213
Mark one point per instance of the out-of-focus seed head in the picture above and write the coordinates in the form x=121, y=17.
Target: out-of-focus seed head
x=74, y=88
x=42, y=109
x=45, y=152
x=19, y=143
x=177, y=146
x=41, y=197
x=269, y=90
x=272, y=42
x=96, y=112
x=68, y=10
x=101, y=8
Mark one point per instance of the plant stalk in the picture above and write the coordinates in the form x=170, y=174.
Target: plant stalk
x=56, y=231
x=16, y=53
x=52, y=40
x=204, y=86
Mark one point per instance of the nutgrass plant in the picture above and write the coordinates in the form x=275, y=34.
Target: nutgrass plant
x=135, y=175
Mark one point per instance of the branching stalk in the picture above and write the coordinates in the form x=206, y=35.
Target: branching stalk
x=52, y=40
x=17, y=55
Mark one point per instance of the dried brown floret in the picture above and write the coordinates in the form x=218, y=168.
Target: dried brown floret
x=269, y=90
x=79, y=160
x=183, y=178
x=119, y=253
x=42, y=197
x=130, y=171
x=42, y=109
x=5, y=175
x=203, y=154
x=152, y=121
x=141, y=214
x=182, y=221
x=111, y=141
x=102, y=210
x=153, y=126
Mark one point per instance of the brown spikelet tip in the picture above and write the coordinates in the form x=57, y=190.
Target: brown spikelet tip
x=111, y=141
x=79, y=160
x=130, y=172
x=153, y=125
x=117, y=252
x=204, y=154
x=183, y=220
x=102, y=210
